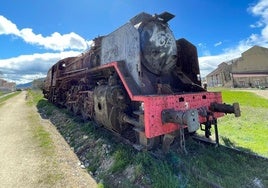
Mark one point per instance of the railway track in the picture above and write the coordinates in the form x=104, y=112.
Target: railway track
x=187, y=168
x=127, y=139
x=184, y=167
x=236, y=150
x=160, y=154
x=253, y=155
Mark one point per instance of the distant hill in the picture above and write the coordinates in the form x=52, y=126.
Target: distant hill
x=35, y=84
x=26, y=85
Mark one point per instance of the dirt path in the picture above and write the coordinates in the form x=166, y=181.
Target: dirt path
x=21, y=162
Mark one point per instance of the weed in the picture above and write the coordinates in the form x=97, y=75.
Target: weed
x=160, y=172
x=100, y=185
x=4, y=98
x=204, y=166
x=95, y=162
x=43, y=140
x=138, y=171
x=122, y=159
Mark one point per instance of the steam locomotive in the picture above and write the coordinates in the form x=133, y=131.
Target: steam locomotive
x=139, y=79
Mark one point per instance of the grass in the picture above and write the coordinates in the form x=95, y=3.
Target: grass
x=3, y=93
x=160, y=173
x=244, y=98
x=40, y=134
x=208, y=166
x=203, y=166
x=42, y=137
x=250, y=131
x=3, y=99
x=44, y=142
x=122, y=159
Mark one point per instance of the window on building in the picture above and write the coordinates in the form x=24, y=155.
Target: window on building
x=242, y=83
x=257, y=82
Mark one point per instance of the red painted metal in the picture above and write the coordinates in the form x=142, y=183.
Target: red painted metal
x=155, y=104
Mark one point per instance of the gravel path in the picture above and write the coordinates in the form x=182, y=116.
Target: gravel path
x=21, y=162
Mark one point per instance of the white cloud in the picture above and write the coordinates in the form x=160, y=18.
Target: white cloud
x=260, y=9
x=55, y=41
x=209, y=63
x=7, y=27
x=25, y=68
x=257, y=24
x=218, y=44
x=203, y=49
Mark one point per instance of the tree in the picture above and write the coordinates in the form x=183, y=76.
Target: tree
x=38, y=83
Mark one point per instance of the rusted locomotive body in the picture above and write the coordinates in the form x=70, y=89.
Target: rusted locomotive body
x=139, y=79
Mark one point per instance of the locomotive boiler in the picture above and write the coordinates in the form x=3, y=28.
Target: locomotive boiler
x=139, y=79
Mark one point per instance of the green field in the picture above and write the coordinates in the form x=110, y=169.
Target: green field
x=250, y=131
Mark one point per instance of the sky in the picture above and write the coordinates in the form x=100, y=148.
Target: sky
x=35, y=34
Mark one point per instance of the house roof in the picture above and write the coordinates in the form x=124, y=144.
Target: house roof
x=218, y=69
x=254, y=49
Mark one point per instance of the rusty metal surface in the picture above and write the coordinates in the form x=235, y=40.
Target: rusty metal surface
x=123, y=45
x=158, y=47
x=154, y=105
x=109, y=103
x=188, y=60
x=140, y=77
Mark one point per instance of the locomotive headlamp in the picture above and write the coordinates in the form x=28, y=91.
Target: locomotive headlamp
x=142, y=106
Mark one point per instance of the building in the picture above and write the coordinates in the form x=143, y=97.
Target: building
x=249, y=70
x=220, y=76
x=7, y=86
